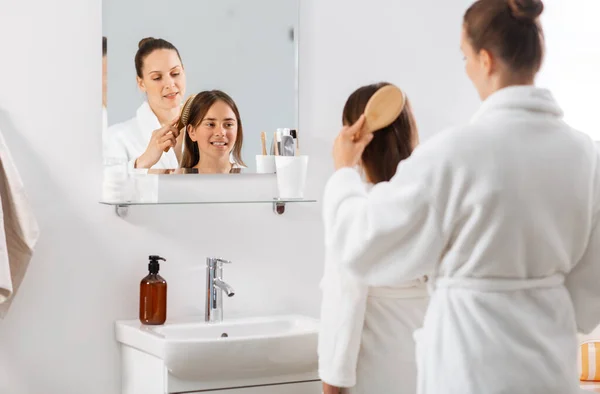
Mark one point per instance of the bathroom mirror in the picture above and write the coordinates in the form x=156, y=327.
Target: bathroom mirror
x=240, y=53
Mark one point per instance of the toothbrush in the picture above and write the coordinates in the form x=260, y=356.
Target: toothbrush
x=263, y=140
x=276, y=144
x=294, y=134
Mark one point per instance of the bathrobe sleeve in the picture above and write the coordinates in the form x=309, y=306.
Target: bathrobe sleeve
x=115, y=144
x=396, y=221
x=343, y=309
x=583, y=286
x=582, y=281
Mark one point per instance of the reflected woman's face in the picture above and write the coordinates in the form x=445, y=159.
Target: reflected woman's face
x=217, y=132
x=163, y=79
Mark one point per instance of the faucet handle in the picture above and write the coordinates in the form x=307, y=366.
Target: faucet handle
x=215, y=260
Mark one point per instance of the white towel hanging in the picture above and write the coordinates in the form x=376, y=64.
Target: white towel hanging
x=19, y=229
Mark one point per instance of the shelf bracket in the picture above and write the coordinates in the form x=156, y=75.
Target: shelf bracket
x=122, y=210
x=279, y=208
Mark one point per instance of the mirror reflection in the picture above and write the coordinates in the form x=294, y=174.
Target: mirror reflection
x=212, y=92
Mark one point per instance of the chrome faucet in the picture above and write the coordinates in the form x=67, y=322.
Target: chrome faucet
x=215, y=286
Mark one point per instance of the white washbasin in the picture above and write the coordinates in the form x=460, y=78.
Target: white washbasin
x=234, y=349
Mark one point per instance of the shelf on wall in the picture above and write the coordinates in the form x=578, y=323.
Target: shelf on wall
x=122, y=207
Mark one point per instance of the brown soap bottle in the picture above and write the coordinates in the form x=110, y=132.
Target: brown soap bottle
x=153, y=295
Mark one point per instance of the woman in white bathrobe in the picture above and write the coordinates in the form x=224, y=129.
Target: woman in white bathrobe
x=365, y=340
x=151, y=139
x=505, y=210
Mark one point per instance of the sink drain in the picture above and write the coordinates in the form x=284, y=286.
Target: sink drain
x=224, y=335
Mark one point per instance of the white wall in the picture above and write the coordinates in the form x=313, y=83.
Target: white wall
x=58, y=337
x=572, y=66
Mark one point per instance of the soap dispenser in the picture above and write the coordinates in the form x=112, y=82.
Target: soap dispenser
x=153, y=295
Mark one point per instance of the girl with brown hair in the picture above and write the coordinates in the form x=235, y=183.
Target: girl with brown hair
x=212, y=126
x=365, y=341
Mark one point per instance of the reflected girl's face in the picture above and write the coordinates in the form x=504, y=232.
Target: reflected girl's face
x=217, y=132
x=163, y=79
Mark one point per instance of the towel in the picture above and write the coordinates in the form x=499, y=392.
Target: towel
x=19, y=229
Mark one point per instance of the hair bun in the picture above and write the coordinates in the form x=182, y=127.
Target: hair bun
x=528, y=10
x=144, y=41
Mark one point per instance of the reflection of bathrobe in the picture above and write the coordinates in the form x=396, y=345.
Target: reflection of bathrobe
x=128, y=140
x=366, y=336
x=19, y=230
x=506, y=211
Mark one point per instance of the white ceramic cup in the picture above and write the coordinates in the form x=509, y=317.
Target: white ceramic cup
x=291, y=175
x=265, y=164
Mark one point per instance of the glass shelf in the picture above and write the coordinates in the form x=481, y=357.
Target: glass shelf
x=121, y=208
x=274, y=201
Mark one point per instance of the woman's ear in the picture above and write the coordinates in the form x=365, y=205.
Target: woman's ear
x=191, y=132
x=486, y=61
x=141, y=85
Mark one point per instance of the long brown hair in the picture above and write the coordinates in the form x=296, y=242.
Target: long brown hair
x=193, y=112
x=389, y=145
x=510, y=30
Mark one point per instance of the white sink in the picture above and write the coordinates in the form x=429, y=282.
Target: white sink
x=234, y=349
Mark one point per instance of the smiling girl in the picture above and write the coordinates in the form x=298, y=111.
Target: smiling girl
x=213, y=133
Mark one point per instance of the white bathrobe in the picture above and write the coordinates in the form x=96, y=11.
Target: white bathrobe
x=505, y=210
x=366, y=334
x=128, y=140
